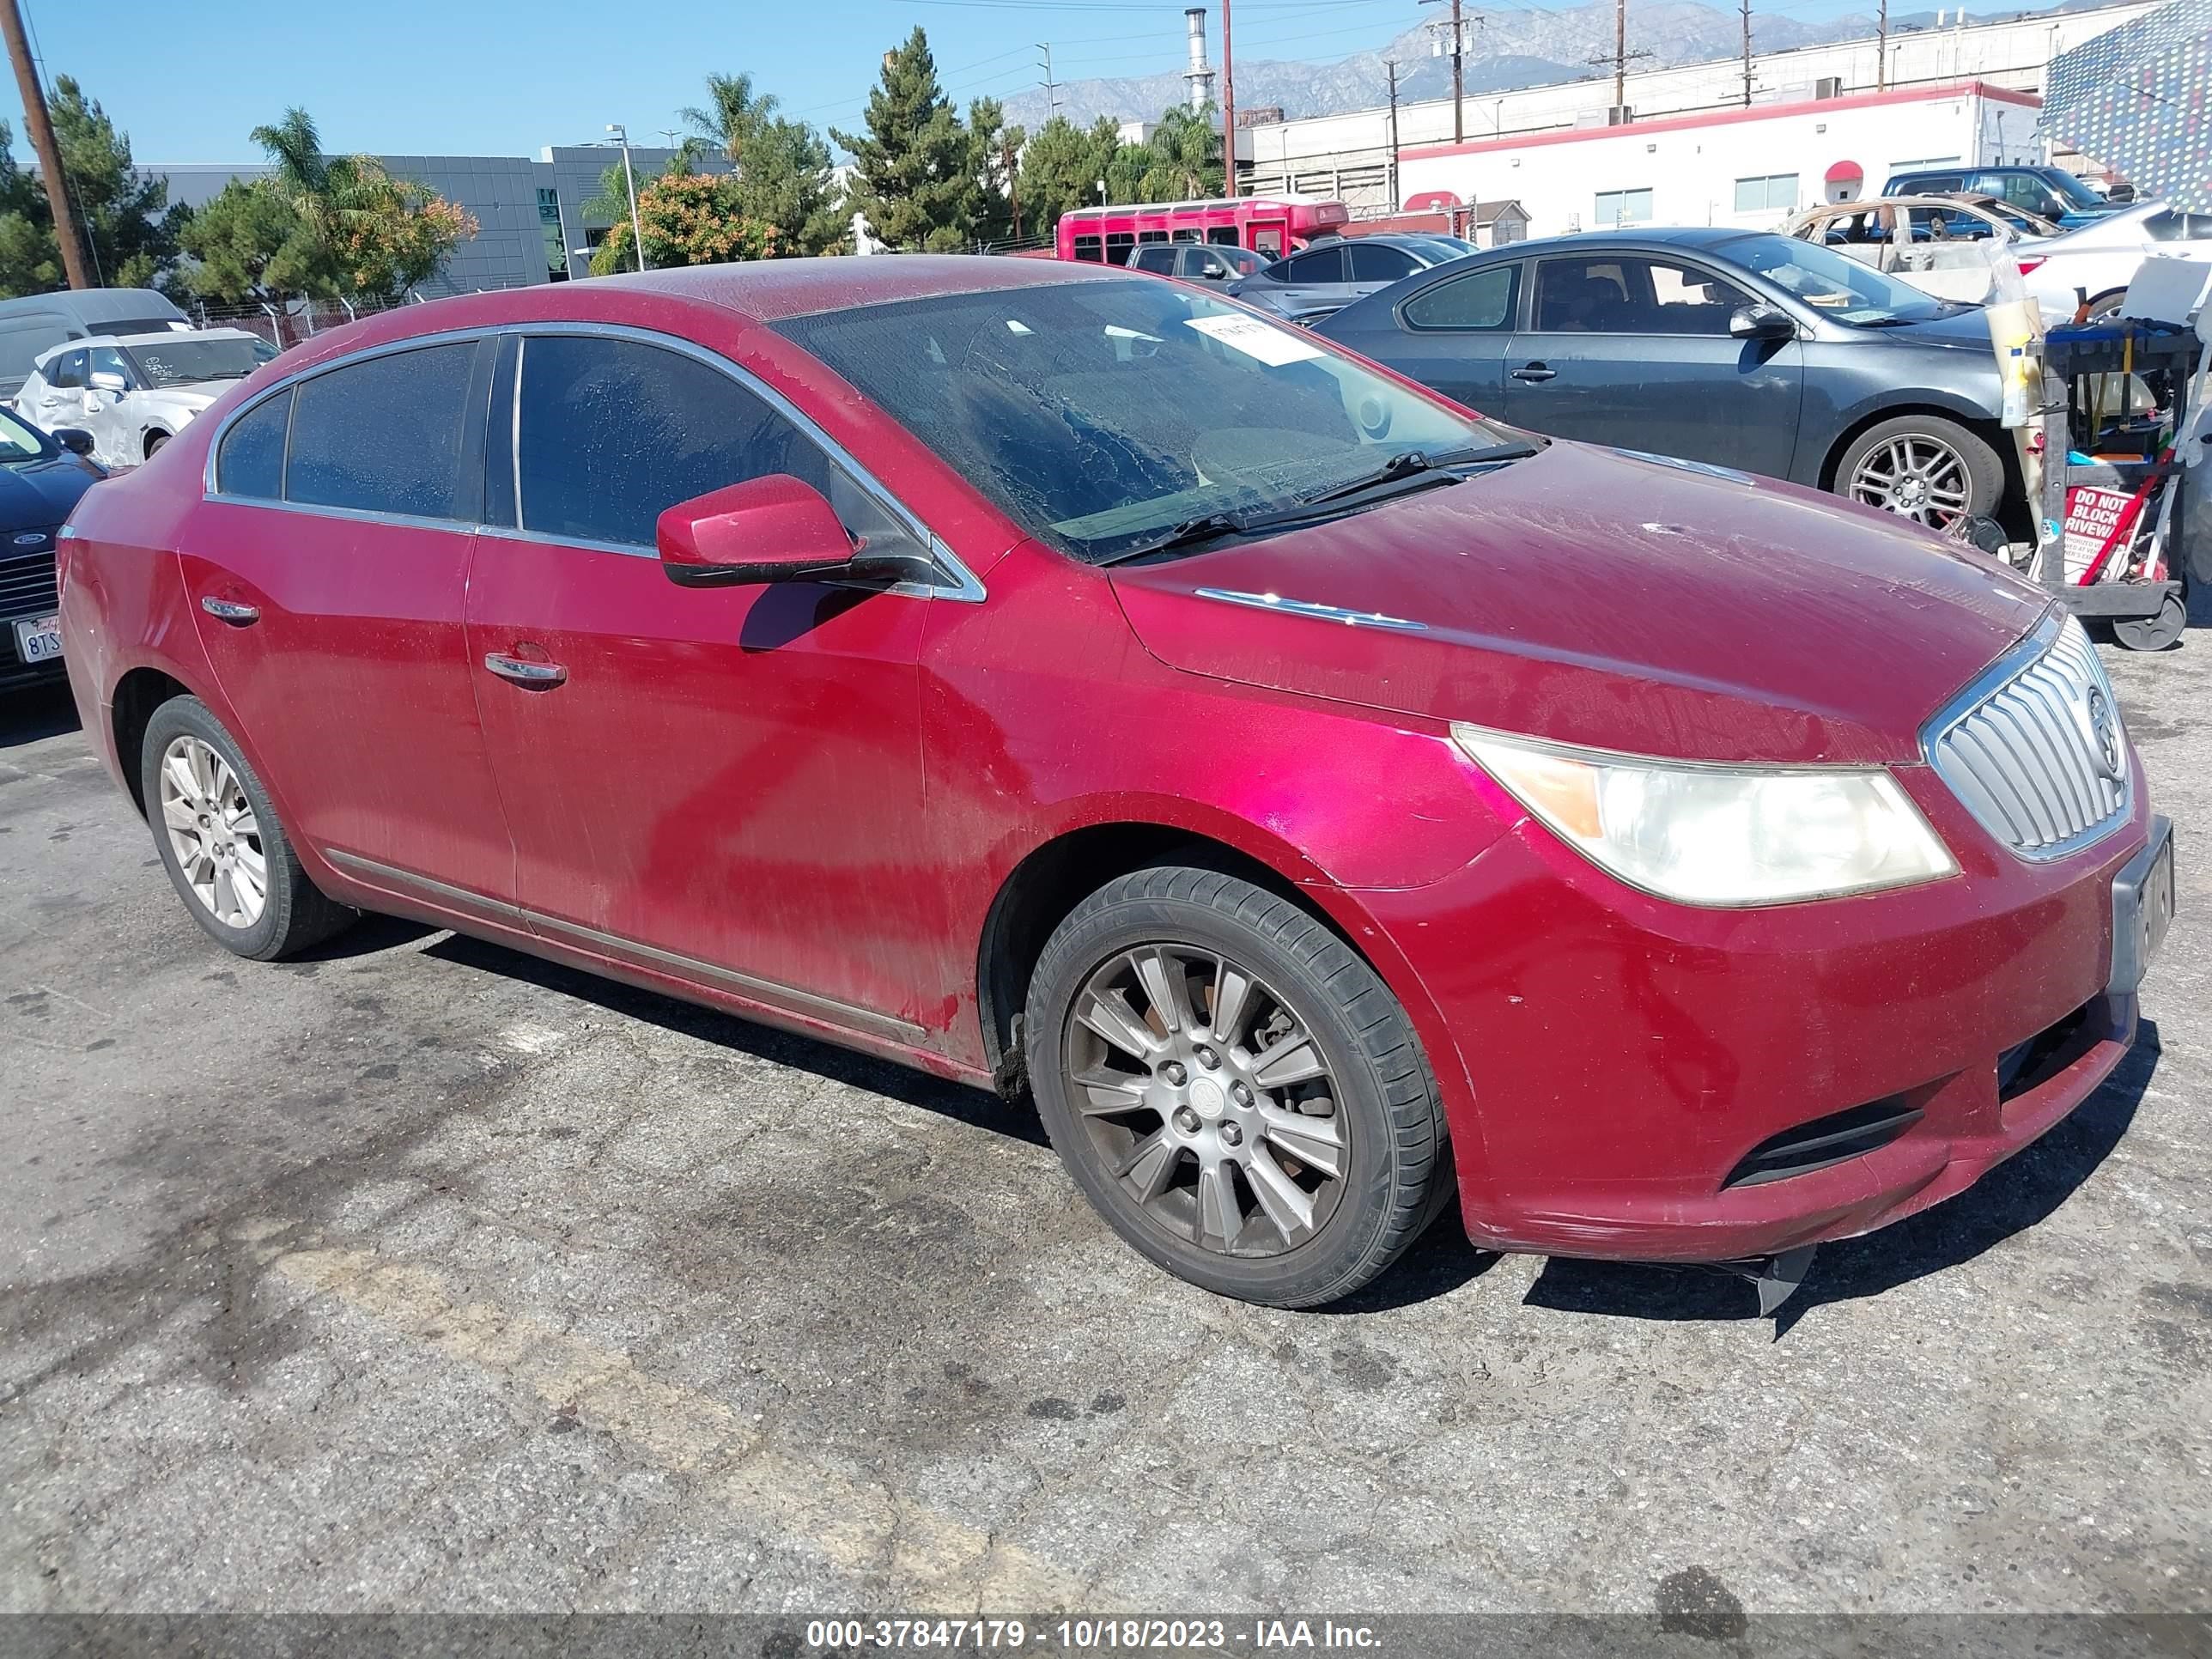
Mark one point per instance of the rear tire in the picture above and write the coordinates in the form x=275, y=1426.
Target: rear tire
x=221, y=840
x=154, y=442
x=1266, y=1128
x=1925, y=468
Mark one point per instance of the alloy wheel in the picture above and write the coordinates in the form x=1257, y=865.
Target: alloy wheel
x=213, y=831
x=1206, y=1097
x=1916, y=476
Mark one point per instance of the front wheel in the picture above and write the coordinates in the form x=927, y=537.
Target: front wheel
x=1233, y=1087
x=1924, y=468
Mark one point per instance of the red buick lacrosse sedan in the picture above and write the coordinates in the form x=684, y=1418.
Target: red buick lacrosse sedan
x=1327, y=801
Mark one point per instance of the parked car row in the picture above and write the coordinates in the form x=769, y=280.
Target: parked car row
x=135, y=392
x=1734, y=349
x=1945, y=245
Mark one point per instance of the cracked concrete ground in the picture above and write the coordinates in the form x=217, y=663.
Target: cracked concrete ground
x=428, y=1276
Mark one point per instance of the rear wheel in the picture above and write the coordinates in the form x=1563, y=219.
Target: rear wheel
x=154, y=442
x=220, y=839
x=1924, y=468
x=1234, y=1090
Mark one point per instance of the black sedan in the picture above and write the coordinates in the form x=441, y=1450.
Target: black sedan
x=41, y=477
x=1739, y=349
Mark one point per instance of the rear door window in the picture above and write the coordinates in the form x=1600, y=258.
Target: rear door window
x=384, y=435
x=1319, y=264
x=67, y=370
x=1380, y=262
x=1481, y=300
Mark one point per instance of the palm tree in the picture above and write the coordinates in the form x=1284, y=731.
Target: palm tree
x=295, y=148
x=736, y=112
x=609, y=205
x=1189, y=150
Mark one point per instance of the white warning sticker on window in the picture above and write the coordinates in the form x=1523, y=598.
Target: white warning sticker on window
x=1272, y=345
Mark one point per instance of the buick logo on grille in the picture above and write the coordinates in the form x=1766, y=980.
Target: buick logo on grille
x=2104, y=730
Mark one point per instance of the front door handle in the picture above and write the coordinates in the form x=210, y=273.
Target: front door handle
x=538, y=676
x=1533, y=372
x=236, y=612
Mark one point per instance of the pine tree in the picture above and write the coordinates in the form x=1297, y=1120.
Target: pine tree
x=915, y=172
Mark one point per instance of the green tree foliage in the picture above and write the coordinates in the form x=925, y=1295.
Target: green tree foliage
x=733, y=114
x=1062, y=166
x=362, y=233
x=916, y=172
x=249, y=245
x=785, y=182
x=126, y=219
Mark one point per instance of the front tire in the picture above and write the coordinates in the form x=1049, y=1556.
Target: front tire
x=1233, y=1087
x=222, y=842
x=1924, y=468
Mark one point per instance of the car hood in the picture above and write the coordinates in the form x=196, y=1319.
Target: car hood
x=188, y=400
x=39, y=495
x=1593, y=596
x=1965, y=330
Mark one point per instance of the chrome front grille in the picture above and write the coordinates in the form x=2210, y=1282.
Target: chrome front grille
x=2034, y=747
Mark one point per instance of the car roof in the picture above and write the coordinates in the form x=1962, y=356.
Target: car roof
x=1642, y=239
x=154, y=336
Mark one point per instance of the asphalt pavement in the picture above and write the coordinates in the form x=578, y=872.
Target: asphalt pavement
x=422, y=1275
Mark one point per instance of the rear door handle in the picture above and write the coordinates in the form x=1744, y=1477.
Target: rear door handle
x=538, y=676
x=1533, y=372
x=236, y=612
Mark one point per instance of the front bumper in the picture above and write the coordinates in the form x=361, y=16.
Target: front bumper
x=1617, y=1062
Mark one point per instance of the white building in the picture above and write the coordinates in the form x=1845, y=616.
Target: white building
x=1347, y=157
x=1750, y=167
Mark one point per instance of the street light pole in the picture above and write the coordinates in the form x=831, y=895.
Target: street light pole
x=629, y=183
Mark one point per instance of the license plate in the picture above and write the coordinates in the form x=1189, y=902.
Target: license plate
x=39, y=639
x=2143, y=907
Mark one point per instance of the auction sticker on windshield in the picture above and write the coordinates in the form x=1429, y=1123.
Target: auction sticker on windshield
x=1271, y=345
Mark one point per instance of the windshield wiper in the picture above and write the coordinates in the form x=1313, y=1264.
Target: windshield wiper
x=1207, y=527
x=1413, y=462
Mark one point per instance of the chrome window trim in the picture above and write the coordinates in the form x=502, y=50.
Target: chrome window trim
x=349, y=515
x=2030, y=649
x=961, y=585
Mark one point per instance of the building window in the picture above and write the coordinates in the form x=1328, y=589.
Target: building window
x=1777, y=192
x=557, y=244
x=1623, y=207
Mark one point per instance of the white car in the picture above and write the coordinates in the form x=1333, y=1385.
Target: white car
x=2100, y=259
x=136, y=391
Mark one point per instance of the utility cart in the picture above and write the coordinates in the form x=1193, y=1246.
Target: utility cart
x=2113, y=513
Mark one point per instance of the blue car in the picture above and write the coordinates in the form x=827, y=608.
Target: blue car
x=2052, y=193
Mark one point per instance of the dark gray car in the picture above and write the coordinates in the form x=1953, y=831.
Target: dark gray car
x=1335, y=271
x=1740, y=348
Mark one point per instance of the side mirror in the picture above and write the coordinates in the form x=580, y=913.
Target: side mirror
x=1760, y=322
x=107, y=379
x=74, y=439
x=776, y=529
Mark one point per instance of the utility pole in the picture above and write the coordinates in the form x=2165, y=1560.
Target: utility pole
x=42, y=140
x=629, y=183
x=1622, y=57
x=1746, y=54
x=1459, y=72
x=1228, y=107
x=1051, y=86
x=1881, y=48
x=1393, y=68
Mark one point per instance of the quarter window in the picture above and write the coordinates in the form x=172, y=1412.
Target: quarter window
x=1321, y=264
x=1479, y=300
x=252, y=460
x=614, y=432
x=68, y=370
x=383, y=435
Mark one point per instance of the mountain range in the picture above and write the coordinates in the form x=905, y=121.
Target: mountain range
x=1507, y=50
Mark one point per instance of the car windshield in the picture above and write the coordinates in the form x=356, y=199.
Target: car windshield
x=1835, y=286
x=1241, y=260
x=187, y=362
x=2070, y=189
x=1103, y=416
x=2165, y=225
x=20, y=441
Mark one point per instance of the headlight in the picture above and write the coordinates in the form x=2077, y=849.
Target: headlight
x=1719, y=834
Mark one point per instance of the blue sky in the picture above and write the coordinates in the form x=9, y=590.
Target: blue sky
x=503, y=77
